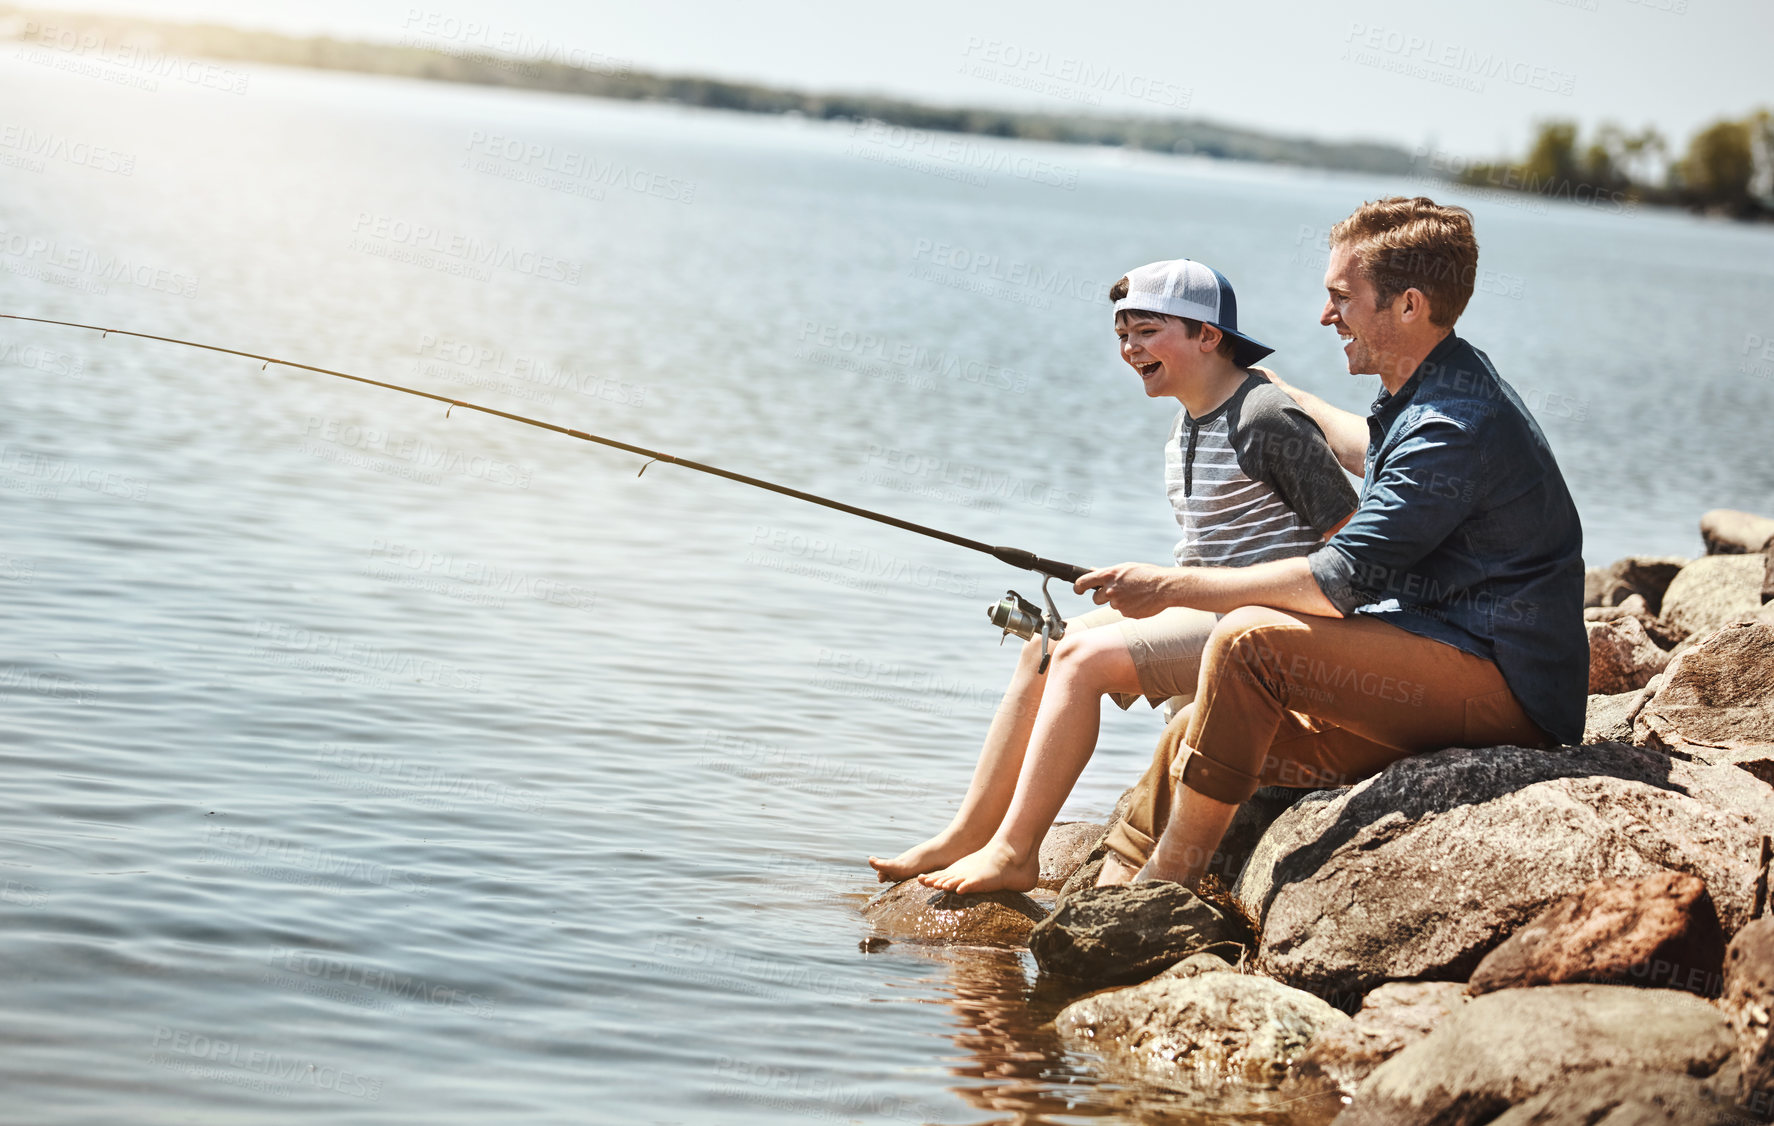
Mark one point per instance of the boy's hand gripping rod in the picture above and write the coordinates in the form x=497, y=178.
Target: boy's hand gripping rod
x=1014, y=613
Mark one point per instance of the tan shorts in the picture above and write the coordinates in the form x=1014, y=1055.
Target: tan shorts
x=1166, y=650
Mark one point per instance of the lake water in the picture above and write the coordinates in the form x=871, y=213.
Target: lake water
x=368, y=764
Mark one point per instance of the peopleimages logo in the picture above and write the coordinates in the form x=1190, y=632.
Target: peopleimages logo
x=178, y=1049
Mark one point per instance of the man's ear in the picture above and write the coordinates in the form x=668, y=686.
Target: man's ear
x=1414, y=307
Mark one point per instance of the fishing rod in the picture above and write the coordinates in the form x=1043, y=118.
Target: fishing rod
x=1013, y=613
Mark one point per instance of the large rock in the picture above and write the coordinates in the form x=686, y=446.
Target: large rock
x=1720, y=693
x=1618, y=1096
x=1067, y=847
x=1179, y=1032
x=1608, y=719
x=1622, y=656
x=1657, y=931
x=1646, y=576
x=1503, y=1048
x=1748, y=997
x=1392, y=1018
x=1420, y=871
x=1727, y=531
x=911, y=912
x=1713, y=591
x=1119, y=935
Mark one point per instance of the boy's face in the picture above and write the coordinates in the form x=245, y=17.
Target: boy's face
x=1161, y=351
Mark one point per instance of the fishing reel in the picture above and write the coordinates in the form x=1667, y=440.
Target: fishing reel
x=1015, y=614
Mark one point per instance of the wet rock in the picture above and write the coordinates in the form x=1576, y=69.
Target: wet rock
x=1609, y=718
x=1176, y=1032
x=1719, y=693
x=1503, y=1048
x=1420, y=871
x=1660, y=931
x=1622, y=656
x=1197, y=964
x=1392, y=1018
x=1119, y=935
x=1068, y=847
x=1727, y=531
x=1620, y=1096
x=911, y=912
x=1748, y=997
x=1713, y=591
x=1646, y=576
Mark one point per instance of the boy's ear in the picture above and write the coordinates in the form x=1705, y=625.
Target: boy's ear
x=1210, y=337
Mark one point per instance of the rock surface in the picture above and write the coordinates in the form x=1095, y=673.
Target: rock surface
x=1622, y=656
x=1392, y=1018
x=910, y=912
x=1503, y=1048
x=1720, y=693
x=1713, y=591
x=1660, y=931
x=1178, y=1031
x=1609, y=718
x=1619, y=1096
x=1727, y=531
x=1120, y=935
x=1067, y=848
x=1420, y=871
x=1197, y=964
x=1748, y=997
x=1647, y=576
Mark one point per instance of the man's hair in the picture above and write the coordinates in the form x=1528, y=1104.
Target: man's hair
x=1402, y=244
x=1191, y=327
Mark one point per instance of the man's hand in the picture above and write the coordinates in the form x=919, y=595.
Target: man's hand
x=1137, y=590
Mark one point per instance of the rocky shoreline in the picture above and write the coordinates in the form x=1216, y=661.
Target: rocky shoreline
x=1502, y=935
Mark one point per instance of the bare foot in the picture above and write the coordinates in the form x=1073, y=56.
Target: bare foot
x=938, y=852
x=995, y=867
x=1116, y=871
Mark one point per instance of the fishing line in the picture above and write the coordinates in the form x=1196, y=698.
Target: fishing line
x=1016, y=615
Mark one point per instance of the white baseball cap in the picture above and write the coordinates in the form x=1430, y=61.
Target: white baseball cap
x=1182, y=287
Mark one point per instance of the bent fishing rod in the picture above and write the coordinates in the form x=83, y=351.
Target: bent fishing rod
x=1014, y=613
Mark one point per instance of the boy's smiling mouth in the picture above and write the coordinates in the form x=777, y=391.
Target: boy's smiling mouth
x=1147, y=371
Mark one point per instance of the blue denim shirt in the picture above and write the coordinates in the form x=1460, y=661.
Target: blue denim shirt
x=1466, y=534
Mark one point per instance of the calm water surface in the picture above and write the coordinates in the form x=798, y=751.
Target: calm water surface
x=376, y=765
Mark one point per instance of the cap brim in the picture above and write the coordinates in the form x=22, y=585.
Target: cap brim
x=1246, y=351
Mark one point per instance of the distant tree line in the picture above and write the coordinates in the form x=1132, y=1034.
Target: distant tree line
x=601, y=77
x=1726, y=169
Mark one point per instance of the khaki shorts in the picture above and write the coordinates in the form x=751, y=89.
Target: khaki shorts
x=1166, y=650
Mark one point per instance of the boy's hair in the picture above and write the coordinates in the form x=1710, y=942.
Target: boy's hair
x=1402, y=244
x=1191, y=327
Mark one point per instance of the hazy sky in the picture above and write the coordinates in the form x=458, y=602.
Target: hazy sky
x=1466, y=77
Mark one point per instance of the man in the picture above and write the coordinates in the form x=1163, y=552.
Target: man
x=1446, y=612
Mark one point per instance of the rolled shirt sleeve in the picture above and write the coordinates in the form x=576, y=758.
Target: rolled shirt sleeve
x=1421, y=490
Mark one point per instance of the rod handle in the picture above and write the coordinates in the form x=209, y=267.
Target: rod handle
x=1029, y=561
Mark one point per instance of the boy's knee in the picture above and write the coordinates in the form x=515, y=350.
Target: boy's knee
x=1093, y=655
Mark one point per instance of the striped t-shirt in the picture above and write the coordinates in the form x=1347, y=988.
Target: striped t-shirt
x=1253, y=480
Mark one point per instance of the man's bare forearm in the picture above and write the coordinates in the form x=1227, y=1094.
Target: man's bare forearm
x=1345, y=431
x=1140, y=590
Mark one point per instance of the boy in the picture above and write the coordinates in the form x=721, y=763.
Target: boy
x=1251, y=479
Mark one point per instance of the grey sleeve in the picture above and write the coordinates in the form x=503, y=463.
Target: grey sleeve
x=1277, y=443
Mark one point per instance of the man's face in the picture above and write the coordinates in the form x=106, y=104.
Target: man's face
x=1162, y=352
x=1370, y=333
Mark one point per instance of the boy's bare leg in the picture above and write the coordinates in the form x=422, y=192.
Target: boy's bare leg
x=1086, y=667
x=994, y=778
